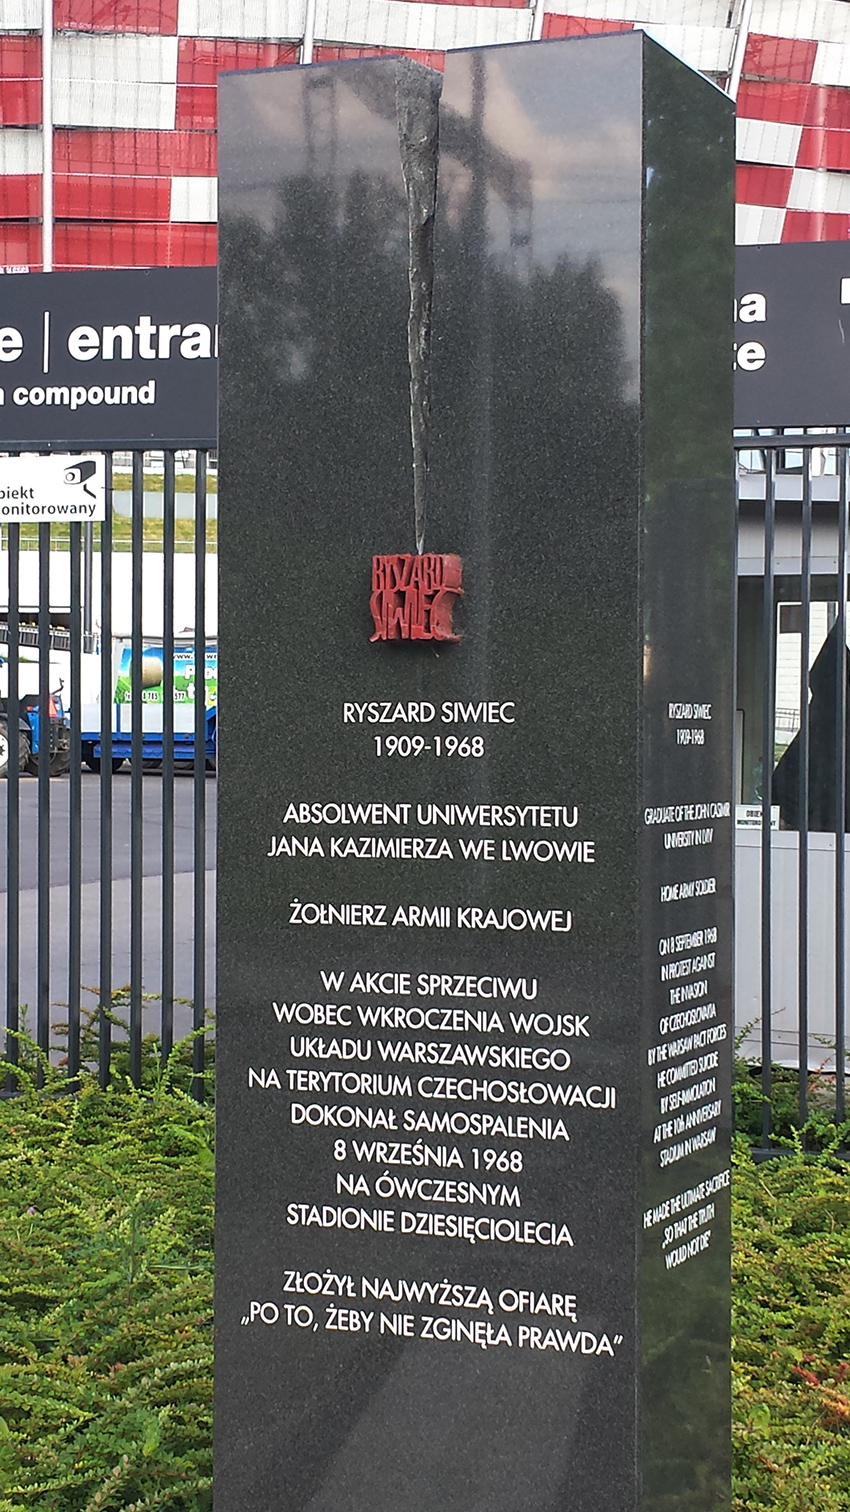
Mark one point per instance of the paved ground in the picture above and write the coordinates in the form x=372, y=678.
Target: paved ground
x=152, y=889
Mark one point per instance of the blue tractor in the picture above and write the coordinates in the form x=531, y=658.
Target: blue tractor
x=30, y=741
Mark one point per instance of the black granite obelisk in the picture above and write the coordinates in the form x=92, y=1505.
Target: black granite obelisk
x=474, y=878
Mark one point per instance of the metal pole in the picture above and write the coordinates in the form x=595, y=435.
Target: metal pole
x=803, y=795
x=767, y=752
x=88, y=578
x=200, y=774
x=106, y=717
x=167, y=1019
x=13, y=811
x=841, y=790
x=75, y=815
x=47, y=136
x=136, y=831
x=742, y=36
x=43, y=842
x=308, y=39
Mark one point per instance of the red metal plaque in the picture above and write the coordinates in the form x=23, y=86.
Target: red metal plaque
x=413, y=596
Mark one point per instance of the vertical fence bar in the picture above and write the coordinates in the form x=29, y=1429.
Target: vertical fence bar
x=200, y=776
x=767, y=751
x=136, y=828
x=43, y=841
x=13, y=811
x=803, y=798
x=88, y=580
x=841, y=788
x=168, y=501
x=106, y=716
x=75, y=806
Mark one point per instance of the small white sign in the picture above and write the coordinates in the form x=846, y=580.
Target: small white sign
x=748, y=816
x=47, y=490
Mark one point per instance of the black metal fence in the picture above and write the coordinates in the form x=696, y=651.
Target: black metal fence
x=108, y=820
x=108, y=878
x=792, y=768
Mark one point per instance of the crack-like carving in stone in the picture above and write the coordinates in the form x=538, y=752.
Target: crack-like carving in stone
x=417, y=109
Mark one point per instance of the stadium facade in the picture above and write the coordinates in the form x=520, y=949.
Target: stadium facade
x=128, y=175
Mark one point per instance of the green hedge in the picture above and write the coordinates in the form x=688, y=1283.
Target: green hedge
x=791, y=1322
x=106, y=1209
x=106, y=1213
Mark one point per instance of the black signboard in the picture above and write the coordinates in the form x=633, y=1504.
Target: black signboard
x=129, y=357
x=124, y=357
x=792, y=335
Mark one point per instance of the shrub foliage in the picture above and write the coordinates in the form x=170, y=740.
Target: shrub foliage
x=791, y=1323
x=106, y=1210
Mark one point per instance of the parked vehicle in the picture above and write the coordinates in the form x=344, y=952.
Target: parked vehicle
x=152, y=745
x=186, y=686
x=30, y=742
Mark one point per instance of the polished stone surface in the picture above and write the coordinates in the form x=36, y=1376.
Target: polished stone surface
x=581, y=468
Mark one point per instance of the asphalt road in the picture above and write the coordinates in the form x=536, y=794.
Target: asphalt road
x=152, y=891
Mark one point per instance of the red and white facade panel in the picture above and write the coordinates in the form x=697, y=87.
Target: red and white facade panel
x=707, y=48
x=647, y=12
x=832, y=64
x=194, y=199
x=393, y=24
x=159, y=17
x=774, y=142
x=114, y=81
x=817, y=20
x=756, y=224
x=256, y=19
x=20, y=174
x=20, y=16
x=134, y=103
